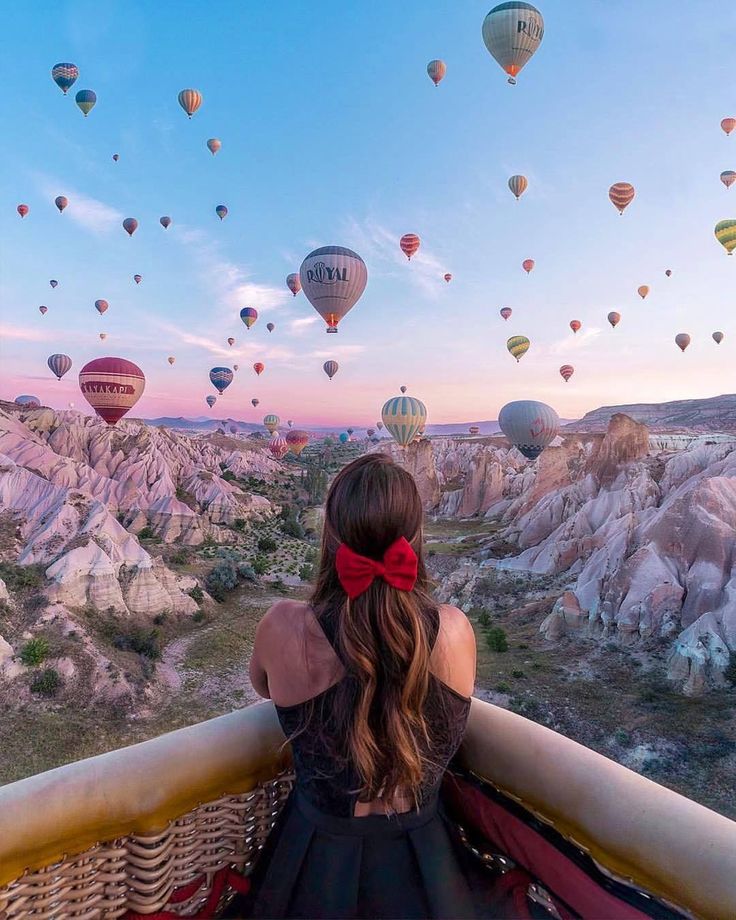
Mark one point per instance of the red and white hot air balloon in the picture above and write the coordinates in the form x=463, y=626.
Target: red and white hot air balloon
x=566, y=372
x=728, y=124
x=278, y=446
x=259, y=367
x=506, y=312
x=621, y=195
x=448, y=277
x=112, y=386
x=293, y=282
x=527, y=265
x=409, y=243
x=575, y=325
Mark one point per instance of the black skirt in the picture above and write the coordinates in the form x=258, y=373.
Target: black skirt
x=317, y=865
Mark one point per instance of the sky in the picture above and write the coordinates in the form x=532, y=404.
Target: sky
x=332, y=133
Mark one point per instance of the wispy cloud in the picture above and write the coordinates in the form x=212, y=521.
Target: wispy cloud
x=25, y=335
x=90, y=213
x=571, y=342
x=339, y=351
x=302, y=325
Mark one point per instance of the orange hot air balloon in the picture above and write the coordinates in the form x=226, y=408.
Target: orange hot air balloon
x=506, y=312
x=566, y=372
x=259, y=368
x=614, y=318
x=682, y=340
x=575, y=324
x=190, y=100
x=621, y=195
x=231, y=341
x=527, y=265
x=728, y=124
x=297, y=440
x=409, y=243
x=643, y=291
x=448, y=277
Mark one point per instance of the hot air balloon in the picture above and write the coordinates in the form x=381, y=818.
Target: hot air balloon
x=214, y=145
x=101, y=306
x=221, y=378
x=448, y=277
x=668, y=272
x=436, y=70
x=518, y=346
x=403, y=389
x=231, y=341
x=112, y=386
x=270, y=327
x=350, y=431
x=278, y=446
x=614, y=318
x=116, y=157
x=728, y=124
x=130, y=225
x=254, y=402
x=22, y=209
x=54, y=283
x=621, y=195
x=330, y=368
x=344, y=437
x=271, y=422
x=86, y=99
x=236, y=367
x=59, y=365
x=221, y=211
x=575, y=324
x=43, y=310
x=103, y=336
x=190, y=100
x=518, y=185
x=370, y=432
x=249, y=315
x=403, y=416
x=409, y=243
x=728, y=177
x=61, y=201
x=527, y=265
x=512, y=32
x=726, y=235
x=297, y=440
x=28, y=402
x=718, y=337
x=293, y=283
x=682, y=340
x=379, y=425
x=566, y=371
x=165, y=222
x=64, y=75
x=171, y=359
x=529, y=425
x=137, y=278
x=259, y=368
x=505, y=312
x=643, y=291
x=333, y=279
x=210, y=400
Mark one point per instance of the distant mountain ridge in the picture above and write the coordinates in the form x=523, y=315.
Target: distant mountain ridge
x=487, y=427
x=717, y=413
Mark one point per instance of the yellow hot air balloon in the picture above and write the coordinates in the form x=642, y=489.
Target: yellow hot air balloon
x=726, y=235
x=518, y=346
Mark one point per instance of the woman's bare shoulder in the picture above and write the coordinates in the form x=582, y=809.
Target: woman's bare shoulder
x=455, y=624
x=454, y=655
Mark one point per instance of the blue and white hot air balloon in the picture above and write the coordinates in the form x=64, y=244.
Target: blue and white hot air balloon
x=59, y=365
x=221, y=378
x=404, y=417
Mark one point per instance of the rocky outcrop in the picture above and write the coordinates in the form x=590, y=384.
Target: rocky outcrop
x=693, y=415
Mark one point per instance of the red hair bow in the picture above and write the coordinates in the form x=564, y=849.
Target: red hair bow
x=398, y=568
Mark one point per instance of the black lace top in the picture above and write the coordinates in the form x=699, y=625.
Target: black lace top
x=332, y=786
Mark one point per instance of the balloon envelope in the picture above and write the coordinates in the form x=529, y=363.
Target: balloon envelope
x=718, y=337
x=512, y=32
x=403, y=416
x=130, y=225
x=726, y=235
x=682, y=340
x=518, y=185
x=254, y=402
x=575, y=324
x=518, y=346
x=529, y=425
x=297, y=440
x=214, y=145
x=436, y=70
x=210, y=400
x=61, y=201
x=728, y=177
x=621, y=195
x=728, y=124
x=86, y=99
x=28, y=402
x=527, y=265
x=164, y=221
x=643, y=291
x=668, y=272
x=53, y=282
x=221, y=378
x=448, y=277
x=409, y=243
x=64, y=75
x=278, y=446
x=112, y=386
x=614, y=318
x=22, y=209
x=190, y=100
x=344, y=437
x=271, y=422
x=249, y=315
x=101, y=306
x=59, y=364
x=137, y=278
x=231, y=341
x=270, y=327
x=171, y=359
x=506, y=312
x=43, y=310
x=566, y=371
x=259, y=367
x=330, y=368
x=293, y=283
x=333, y=279
x=221, y=211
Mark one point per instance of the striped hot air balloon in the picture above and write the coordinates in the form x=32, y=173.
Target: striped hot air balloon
x=330, y=368
x=527, y=265
x=518, y=185
x=448, y=277
x=409, y=243
x=190, y=100
x=86, y=99
x=259, y=367
x=43, y=310
x=210, y=400
x=22, y=209
x=575, y=325
x=642, y=291
x=726, y=235
x=529, y=425
x=278, y=446
x=728, y=177
x=614, y=318
x=271, y=422
x=403, y=416
x=221, y=378
x=505, y=312
x=249, y=315
x=101, y=306
x=518, y=346
x=165, y=222
x=130, y=225
x=221, y=211
x=728, y=124
x=59, y=365
x=333, y=279
x=61, y=201
x=566, y=372
x=28, y=402
x=512, y=32
x=718, y=337
x=293, y=283
x=214, y=145
x=297, y=440
x=112, y=386
x=64, y=75
x=621, y=195
x=682, y=340
x=436, y=70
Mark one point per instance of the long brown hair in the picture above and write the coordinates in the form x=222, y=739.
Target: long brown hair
x=382, y=635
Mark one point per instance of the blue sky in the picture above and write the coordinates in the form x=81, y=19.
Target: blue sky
x=333, y=133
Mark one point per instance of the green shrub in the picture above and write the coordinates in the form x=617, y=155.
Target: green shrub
x=21, y=576
x=484, y=618
x=240, y=524
x=260, y=565
x=229, y=476
x=147, y=644
x=503, y=687
x=197, y=594
x=523, y=645
x=34, y=651
x=159, y=619
x=306, y=572
x=496, y=639
x=198, y=616
x=147, y=533
x=518, y=674
x=223, y=578
x=180, y=557
x=267, y=545
x=46, y=683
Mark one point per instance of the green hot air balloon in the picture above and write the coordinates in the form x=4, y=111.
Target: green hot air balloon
x=518, y=346
x=86, y=99
x=403, y=417
x=726, y=235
